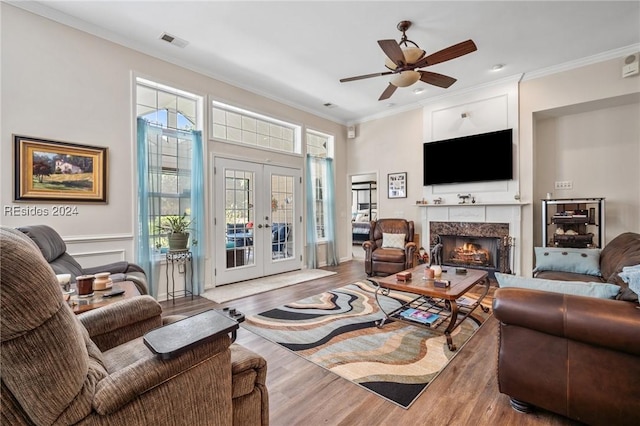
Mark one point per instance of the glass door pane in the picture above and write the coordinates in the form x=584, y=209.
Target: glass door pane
x=282, y=217
x=239, y=214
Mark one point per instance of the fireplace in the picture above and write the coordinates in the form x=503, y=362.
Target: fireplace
x=485, y=246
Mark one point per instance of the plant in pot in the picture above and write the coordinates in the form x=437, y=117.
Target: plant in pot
x=177, y=228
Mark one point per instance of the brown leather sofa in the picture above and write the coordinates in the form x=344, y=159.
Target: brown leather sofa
x=623, y=250
x=381, y=260
x=94, y=369
x=574, y=355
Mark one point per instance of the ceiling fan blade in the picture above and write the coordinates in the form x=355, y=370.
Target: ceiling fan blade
x=361, y=77
x=387, y=92
x=436, y=79
x=392, y=49
x=447, y=54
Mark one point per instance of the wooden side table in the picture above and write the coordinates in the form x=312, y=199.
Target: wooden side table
x=80, y=304
x=182, y=258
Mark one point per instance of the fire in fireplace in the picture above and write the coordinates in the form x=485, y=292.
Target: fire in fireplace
x=470, y=251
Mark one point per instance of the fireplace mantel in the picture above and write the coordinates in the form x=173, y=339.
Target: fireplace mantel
x=492, y=203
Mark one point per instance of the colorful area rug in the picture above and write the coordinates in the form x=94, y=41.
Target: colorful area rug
x=337, y=330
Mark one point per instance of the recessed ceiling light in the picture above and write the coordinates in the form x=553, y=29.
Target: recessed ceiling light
x=497, y=67
x=418, y=90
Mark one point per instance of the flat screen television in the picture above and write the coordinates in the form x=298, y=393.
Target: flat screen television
x=476, y=158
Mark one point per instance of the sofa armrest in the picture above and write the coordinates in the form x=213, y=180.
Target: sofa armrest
x=123, y=386
x=409, y=251
x=122, y=321
x=369, y=245
x=601, y=322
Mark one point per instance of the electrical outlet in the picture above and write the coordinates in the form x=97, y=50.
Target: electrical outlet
x=564, y=184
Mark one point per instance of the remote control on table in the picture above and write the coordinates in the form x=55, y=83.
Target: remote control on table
x=114, y=292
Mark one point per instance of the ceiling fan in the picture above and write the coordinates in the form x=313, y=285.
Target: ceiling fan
x=404, y=63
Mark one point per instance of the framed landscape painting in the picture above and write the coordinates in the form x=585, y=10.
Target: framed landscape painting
x=59, y=171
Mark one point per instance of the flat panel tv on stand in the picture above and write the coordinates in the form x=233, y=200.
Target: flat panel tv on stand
x=476, y=158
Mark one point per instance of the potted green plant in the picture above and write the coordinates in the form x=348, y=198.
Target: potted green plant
x=177, y=228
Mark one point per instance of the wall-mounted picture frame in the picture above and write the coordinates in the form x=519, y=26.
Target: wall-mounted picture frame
x=46, y=170
x=397, y=183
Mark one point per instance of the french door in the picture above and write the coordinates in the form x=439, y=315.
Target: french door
x=258, y=220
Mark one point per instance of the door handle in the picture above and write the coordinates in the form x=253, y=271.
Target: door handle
x=267, y=225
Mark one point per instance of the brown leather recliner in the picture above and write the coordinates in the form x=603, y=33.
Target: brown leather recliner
x=385, y=260
x=573, y=355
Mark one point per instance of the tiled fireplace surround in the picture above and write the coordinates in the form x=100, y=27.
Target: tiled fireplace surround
x=493, y=220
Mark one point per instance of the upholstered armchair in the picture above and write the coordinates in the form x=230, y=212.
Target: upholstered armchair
x=94, y=368
x=390, y=247
x=54, y=250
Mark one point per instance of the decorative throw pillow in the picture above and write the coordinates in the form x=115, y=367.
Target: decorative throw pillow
x=579, y=261
x=631, y=276
x=393, y=241
x=578, y=288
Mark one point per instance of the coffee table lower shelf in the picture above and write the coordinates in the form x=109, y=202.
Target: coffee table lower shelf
x=450, y=312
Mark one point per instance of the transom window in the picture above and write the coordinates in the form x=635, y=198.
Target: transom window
x=237, y=125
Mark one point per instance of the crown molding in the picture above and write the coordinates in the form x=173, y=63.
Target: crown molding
x=590, y=60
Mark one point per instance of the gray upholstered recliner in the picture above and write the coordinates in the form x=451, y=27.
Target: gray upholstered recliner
x=54, y=250
x=94, y=368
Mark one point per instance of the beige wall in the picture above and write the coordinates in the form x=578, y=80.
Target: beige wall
x=598, y=150
x=594, y=121
x=63, y=84
x=390, y=145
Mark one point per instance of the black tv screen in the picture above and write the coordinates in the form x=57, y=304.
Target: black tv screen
x=476, y=158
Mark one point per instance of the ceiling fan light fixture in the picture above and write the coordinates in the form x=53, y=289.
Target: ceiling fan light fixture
x=411, y=56
x=405, y=78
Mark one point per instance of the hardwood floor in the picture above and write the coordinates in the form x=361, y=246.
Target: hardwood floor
x=300, y=392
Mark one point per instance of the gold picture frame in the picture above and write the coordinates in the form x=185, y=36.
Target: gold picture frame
x=47, y=170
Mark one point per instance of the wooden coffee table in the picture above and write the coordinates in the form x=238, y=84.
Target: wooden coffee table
x=441, y=301
x=81, y=304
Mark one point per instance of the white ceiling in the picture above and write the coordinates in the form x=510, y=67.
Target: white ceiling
x=297, y=51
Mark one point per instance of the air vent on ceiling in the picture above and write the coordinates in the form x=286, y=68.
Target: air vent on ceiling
x=173, y=40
